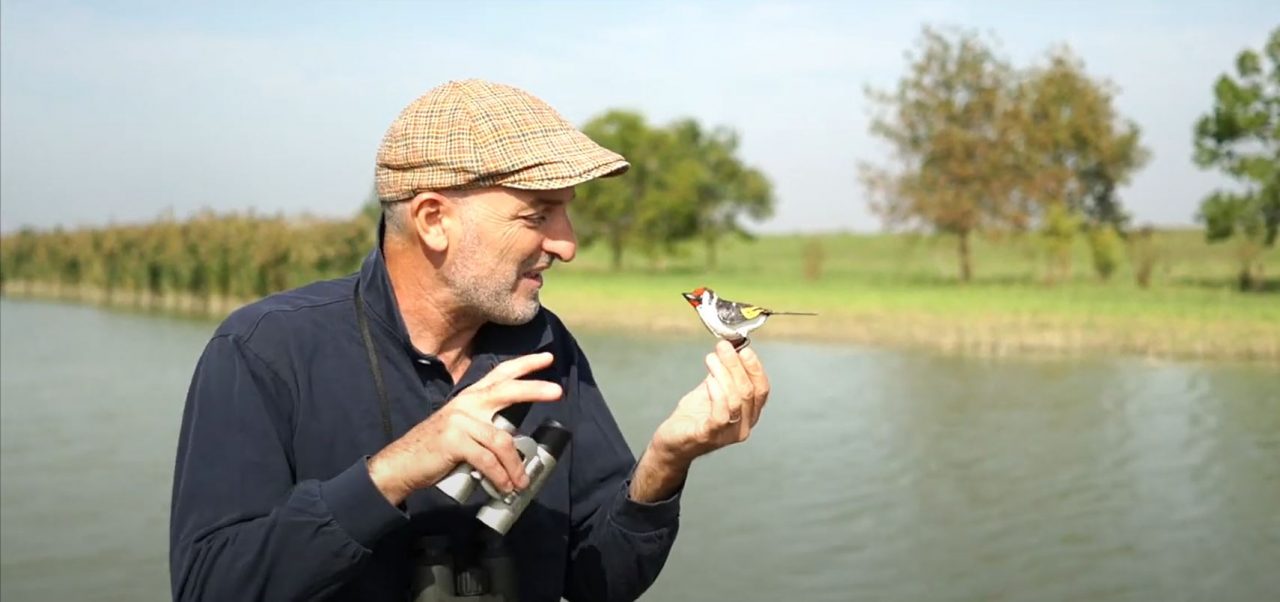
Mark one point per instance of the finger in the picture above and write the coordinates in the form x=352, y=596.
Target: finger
x=484, y=461
x=503, y=446
x=733, y=363
x=493, y=399
x=759, y=381
x=741, y=388
x=493, y=453
x=719, y=402
x=721, y=386
x=515, y=368
x=508, y=392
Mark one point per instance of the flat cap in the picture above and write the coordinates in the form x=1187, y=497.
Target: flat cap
x=474, y=134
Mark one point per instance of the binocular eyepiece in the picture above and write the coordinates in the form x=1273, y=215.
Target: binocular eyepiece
x=539, y=453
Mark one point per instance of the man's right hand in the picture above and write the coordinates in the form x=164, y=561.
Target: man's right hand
x=463, y=431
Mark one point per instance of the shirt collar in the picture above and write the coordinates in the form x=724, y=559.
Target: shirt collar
x=496, y=340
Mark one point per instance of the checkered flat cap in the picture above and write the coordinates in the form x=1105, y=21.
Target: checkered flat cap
x=475, y=134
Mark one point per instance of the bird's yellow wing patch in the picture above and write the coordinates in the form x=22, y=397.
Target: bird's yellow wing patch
x=750, y=312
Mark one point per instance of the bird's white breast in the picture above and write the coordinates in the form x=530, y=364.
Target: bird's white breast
x=712, y=321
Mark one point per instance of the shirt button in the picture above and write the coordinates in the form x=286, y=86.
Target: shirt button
x=424, y=361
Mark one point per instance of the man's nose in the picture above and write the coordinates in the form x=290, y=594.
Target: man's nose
x=561, y=242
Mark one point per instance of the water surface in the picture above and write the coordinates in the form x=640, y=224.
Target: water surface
x=875, y=475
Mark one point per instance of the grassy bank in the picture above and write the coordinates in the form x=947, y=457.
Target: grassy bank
x=902, y=291
x=984, y=319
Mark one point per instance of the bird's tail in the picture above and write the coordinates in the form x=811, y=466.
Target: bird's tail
x=792, y=313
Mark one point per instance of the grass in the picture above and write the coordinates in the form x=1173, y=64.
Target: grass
x=901, y=290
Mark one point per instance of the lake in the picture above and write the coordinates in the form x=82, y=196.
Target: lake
x=874, y=475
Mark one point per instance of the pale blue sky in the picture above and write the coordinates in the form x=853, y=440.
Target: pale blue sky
x=115, y=111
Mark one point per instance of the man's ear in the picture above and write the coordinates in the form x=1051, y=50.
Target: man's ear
x=430, y=213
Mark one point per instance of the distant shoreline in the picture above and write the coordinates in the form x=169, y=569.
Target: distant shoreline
x=213, y=308
x=981, y=336
x=984, y=334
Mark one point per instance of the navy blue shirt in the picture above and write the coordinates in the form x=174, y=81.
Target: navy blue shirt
x=272, y=498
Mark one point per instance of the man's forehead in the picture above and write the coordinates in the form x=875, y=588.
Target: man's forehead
x=558, y=196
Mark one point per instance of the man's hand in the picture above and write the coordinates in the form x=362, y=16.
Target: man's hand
x=463, y=431
x=720, y=411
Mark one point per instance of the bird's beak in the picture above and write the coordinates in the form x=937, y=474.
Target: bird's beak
x=692, y=299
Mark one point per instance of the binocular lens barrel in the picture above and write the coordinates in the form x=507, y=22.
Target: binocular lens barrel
x=501, y=513
x=541, y=453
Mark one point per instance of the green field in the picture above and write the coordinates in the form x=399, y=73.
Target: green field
x=903, y=291
x=893, y=290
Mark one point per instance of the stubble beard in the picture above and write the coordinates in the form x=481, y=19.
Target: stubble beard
x=478, y=286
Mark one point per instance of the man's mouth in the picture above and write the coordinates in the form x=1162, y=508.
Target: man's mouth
x=534, y=275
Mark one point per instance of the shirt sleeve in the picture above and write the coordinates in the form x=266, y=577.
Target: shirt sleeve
x=617, y=546
x=241, y=528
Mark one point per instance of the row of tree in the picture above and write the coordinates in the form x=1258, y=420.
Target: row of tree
x=686, y=184
x=980, y=146
x=209, y=256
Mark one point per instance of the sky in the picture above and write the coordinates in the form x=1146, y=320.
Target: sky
x=116, y=112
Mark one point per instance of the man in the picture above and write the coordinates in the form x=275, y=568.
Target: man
x=320, y=419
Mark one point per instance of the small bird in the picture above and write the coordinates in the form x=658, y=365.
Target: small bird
x=730, y=320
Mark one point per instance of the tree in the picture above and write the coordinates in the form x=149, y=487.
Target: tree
x=1106, y=247
x=22, y=256
x=723, y=190
x=371, y=209
x=1241, y=137
x=685, y=182
x=1144, y=254
x=947, y=122
x=1076, y=147
x=108, y=249
x=611, y=210
x=1058, y=228
x=667, y=214
x=982, y=146
x=1076, y=151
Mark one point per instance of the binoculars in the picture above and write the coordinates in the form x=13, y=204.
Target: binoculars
x=486, y=574
x=539, y=453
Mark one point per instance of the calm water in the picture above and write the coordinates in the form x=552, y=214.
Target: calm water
x=876, y=475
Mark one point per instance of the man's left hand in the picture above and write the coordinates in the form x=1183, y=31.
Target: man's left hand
x=720, y=411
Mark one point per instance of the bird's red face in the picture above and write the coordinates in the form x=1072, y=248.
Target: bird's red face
x=695, y=297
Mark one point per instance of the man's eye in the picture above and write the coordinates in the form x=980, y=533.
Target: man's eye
x=536, y=219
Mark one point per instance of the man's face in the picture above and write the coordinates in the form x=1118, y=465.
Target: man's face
x=508, y=238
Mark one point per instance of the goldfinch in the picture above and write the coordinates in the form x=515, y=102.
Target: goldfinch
x=730, y=320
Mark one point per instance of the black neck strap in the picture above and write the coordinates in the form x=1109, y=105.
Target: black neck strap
x=384, y=402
